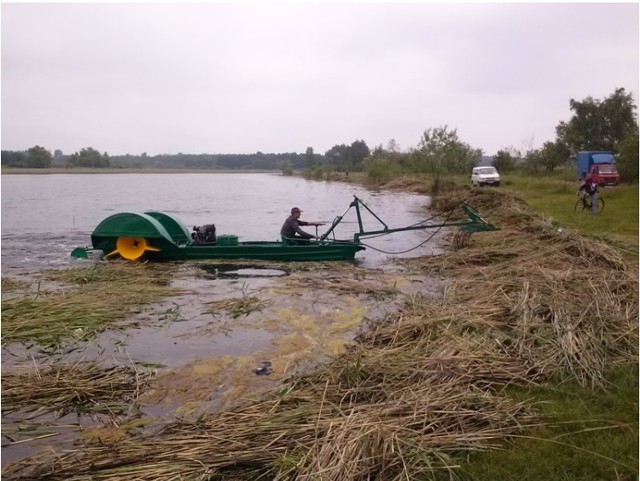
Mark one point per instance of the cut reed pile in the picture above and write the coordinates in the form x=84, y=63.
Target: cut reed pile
x=558, y=302
x=82, y=388
x=101, y=295
x=348, y=421
x=419, y=386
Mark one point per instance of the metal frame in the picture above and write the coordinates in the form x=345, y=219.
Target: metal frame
x=475, y=223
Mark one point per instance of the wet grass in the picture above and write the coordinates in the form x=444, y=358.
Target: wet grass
x=345, y=283
x=81, y=388
x=94, y=299
x=12, y=285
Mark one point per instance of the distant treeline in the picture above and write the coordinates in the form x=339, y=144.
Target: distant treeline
x=340, y=157
x=258, y=161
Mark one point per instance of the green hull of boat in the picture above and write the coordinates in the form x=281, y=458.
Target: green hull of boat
x=274, y=251
x=156, y=236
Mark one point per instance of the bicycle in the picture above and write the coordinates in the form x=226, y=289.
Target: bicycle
x=583, y=204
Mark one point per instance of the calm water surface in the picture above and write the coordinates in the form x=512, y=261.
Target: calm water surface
x=45, y=216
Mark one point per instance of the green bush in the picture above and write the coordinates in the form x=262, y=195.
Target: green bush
x=381, y=170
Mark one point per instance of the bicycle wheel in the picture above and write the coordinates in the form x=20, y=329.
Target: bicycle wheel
x=600, y=205
x=580, y=207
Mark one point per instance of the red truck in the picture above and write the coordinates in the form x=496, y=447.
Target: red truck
x=598, y=164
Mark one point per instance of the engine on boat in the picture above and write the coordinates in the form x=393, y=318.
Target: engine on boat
x=204, y=234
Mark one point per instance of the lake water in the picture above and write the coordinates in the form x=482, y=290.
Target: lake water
x=45, y=216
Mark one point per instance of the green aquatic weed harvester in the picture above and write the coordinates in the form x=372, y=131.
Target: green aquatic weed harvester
x=156, y=236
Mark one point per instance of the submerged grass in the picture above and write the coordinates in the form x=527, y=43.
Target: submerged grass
x=340, y=283
x=99, y=296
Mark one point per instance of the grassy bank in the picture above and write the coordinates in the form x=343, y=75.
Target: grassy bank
x=592, y=434
x=556, y=197
x=551, y=196
x=526, y=365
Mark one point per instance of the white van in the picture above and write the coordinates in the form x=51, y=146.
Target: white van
x=487, y=175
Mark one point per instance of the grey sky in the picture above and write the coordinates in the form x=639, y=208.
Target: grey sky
x=280, y=77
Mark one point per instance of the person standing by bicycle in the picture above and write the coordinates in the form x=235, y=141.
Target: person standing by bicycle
x=589, y=187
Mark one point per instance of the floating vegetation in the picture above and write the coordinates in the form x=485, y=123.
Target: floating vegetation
x=12, y=285
x=242, y=306
x=127, y=273
x=81, y=388
x=288, y=267
x=344, y=285
x=232, y=271
x=102, y=294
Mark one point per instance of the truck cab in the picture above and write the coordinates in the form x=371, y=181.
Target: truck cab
x=600, y=165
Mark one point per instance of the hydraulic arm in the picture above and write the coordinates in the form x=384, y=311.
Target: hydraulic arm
x=474, y=223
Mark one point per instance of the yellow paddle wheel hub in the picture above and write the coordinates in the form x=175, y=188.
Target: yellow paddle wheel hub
x=132, y=248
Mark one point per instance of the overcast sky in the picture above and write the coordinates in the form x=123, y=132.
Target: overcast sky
x=281, y=77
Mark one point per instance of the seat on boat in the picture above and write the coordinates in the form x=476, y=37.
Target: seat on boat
x=294, y=241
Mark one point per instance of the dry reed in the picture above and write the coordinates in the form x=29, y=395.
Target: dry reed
x=560, y=303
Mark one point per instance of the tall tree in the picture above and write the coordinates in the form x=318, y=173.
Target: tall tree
x=12, y=158
x=358, y=151
x=533, y=162
x=393, y=146
x=89, y=157
x=505, y=160
x=599, y=124
x=554, y=154
x=628, y=158
x=38, y=157
x=441, y=151
x=309, y=158
x=338, y=155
